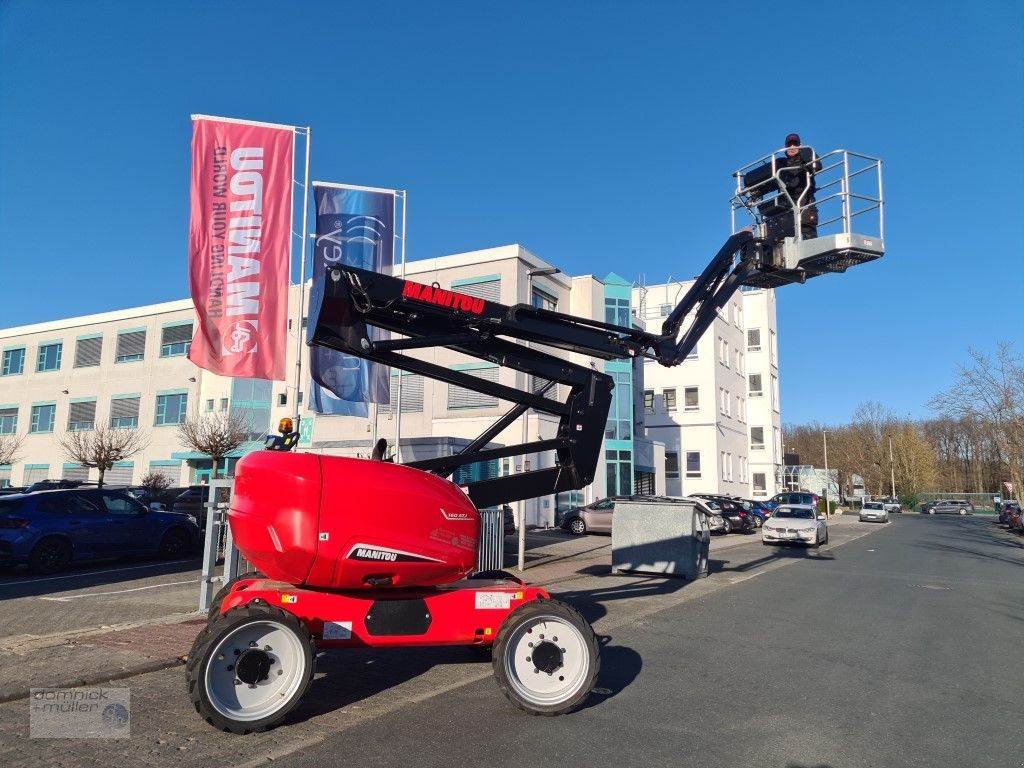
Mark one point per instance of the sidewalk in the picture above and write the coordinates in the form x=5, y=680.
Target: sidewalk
x=578, y=568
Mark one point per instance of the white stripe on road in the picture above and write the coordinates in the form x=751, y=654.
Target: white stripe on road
x=91, y=573
x=65, y=598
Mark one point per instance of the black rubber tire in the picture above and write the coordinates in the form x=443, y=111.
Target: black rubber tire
x=204, y=645
x=578, y=530
x=728, y=525
x=223, y=591
x=530, y=611
x=174, y=543
x=51, y=555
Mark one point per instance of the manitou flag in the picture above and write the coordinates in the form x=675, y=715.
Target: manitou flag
x=239, y=246
x=355, y=227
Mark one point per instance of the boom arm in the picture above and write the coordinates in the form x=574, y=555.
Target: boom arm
x=429, y=316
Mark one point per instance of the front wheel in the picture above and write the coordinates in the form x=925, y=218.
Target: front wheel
x=175, y=543
x=249, y=668
x=546, y=658
x=963, y=511
x=578, y=527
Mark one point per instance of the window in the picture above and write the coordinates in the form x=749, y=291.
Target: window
x=691, y=399
x=757, y=438
x=8, y=420
x=754, y=387
x=175, y=340
x=487, y=287
x=543, y=300
x=14, y=362
x=665, y=310
x=775, y=392
x=460, y=398
x=671, y=465
x=87, y=351
x=412, y=394
x=772, y=349
x=723, y=401
x=693, y=463
x=759, y=484
x=170, y=409
x=722, y=353
x=753, y=340
x=282, y=398
x=619, y=472
x=209, y=405
x=82, y=416
x=224, y=404
x=648, y=401
x=670, y=399
x=741, y=408
x=616, y=312
x=736, y=358
x=49, y=357
x=620, y=415
x=725, y=473
x=43, y=417
x=124, y=412
x=131, y=346
x=118, y=504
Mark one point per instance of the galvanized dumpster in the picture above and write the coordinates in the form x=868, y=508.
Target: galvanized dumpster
x=669, y=537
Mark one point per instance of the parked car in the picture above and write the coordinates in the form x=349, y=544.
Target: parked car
x=795, y=524
x=713, y=513
x=792, y=497
x=1016, y=519
x=757, y=509
x=949, y=507
x=192, y=502
x=875, y=511
x=49, y=530
x=1007, y=510
x=52, y=485
x=737, y=519
x=508, y=520
x=892, y=506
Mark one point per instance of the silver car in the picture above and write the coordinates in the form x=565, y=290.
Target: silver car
x=874, y=511
x=795, y=524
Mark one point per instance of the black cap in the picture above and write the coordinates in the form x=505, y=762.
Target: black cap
x=793, y=140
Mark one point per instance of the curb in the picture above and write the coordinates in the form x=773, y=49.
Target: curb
x=140, y=669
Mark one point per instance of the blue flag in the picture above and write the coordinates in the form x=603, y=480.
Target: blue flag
x=354, y=227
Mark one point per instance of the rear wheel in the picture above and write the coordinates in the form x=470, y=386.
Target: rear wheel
x=174, y=543
x=50, y=556
x=963, y=511
x=249, y=668
x=546, y=658
x=578, y=527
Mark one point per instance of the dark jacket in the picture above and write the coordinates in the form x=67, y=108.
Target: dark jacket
x=794, y=174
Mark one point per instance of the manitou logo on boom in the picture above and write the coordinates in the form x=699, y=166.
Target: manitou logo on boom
x=245, y=234
x=438, y=296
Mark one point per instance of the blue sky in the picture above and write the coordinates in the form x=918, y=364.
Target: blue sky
x=598, y=134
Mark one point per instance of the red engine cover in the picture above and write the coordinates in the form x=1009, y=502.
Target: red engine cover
x=337, y=523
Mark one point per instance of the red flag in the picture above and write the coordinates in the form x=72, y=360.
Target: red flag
x=239, y=246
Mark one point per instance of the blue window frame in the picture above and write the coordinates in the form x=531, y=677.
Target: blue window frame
x=175, y=340
x=8, y=419
x=619, y=472
x=14, y=362
x=170, y=409
x=43, y=418
x=49, y=357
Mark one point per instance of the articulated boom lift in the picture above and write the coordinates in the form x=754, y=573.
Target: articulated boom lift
x=365, y=553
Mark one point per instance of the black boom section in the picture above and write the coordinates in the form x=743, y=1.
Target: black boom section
x=430, y=316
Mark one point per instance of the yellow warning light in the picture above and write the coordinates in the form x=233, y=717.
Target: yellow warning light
x=285, y=426
x=487, y=631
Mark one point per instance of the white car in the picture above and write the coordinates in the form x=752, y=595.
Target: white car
x=875, y=511
x=795, y=524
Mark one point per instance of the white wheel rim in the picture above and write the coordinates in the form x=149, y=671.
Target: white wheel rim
x=243, y=702
x=539, y=687
x=578, y=526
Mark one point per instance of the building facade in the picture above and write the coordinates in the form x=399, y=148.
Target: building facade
x=718, y=413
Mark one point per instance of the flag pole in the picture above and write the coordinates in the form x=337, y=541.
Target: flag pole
x=398, y=405
x=302, y=287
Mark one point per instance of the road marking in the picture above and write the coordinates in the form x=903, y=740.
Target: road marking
x=91, y=573
x=65, y=598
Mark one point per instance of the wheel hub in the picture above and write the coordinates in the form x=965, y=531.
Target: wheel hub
x=547, y=657
x=253, y=666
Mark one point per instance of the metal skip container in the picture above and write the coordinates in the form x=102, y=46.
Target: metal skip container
x=667, y=537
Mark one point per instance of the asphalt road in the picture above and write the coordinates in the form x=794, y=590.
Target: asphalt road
x=898, y=649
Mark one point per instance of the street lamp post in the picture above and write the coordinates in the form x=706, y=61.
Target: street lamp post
x=824, y=441
x=892, y=471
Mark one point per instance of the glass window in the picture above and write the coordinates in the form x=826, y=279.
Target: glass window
x=8, y=421
x=619, y=473
x=671, y=465
x=620, y=416
x=49, y=357
x=131, y=346
x=176, y=340
x=282, y=398
x=759, y=484
x=43, y=417
x=170, y=409
x=616, y=312
x=693, y=463
x=88, y=352
x=543, y=300
x=224, y=402
x=117, y=504
x=757, y=437
x=691, y=398
x=81, y=416
x=666, y=310
x=124, y=412
x=753, y=339
x=670, y=399
x=14, y=362
x=648, y=401
x=755, y=385
x=209, y=405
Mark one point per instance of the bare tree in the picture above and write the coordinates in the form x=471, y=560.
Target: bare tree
x=102, y=447
x=216, y=435
x=155, y=481
x=10, y=448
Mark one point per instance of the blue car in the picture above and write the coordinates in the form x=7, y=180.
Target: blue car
x=757, y=509
x=49, y=530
